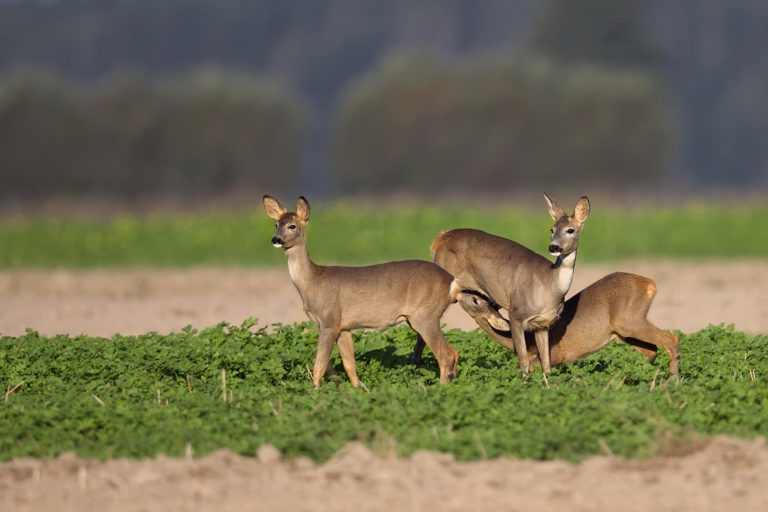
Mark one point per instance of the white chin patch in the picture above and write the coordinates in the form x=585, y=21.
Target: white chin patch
x=277, y=245
x=555, y=254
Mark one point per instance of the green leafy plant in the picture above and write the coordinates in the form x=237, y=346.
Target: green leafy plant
x=238, y=387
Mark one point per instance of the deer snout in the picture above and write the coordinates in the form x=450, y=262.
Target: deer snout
x=555, y=249
x=277, y=241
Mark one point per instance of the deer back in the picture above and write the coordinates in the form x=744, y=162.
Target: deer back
x=377, y=296
x=509, y=273
x=591, y=317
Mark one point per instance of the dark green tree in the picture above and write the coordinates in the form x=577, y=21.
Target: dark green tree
x=608, y=32
x=498, y=124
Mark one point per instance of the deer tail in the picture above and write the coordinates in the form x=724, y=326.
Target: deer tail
x=455, y=290
x=436, y=243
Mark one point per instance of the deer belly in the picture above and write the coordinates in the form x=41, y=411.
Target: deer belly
x=363, y=313
x=544, y=319
x=537, y=322
x=378, y=323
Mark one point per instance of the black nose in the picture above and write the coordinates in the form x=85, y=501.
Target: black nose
x=555, y=248
x=276, y=240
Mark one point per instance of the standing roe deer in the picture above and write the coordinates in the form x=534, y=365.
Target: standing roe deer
x=529, y=286
x=614, y=307
x=339, y=299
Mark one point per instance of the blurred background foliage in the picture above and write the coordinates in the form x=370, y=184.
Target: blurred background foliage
x=190, y=98
x=496, y=123
x=207, y=133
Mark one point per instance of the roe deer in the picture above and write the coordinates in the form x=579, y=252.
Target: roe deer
x=339, y=299
x=529, y=286
x=615, y=307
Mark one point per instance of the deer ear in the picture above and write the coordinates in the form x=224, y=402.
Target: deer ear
x=498, y=322
x=554, y=209
x=274, y=209
x=581, y=212
x=302, y=209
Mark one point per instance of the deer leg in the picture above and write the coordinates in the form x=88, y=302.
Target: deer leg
x=347, y=351
x=447, y=356
x=518, y=339
x=325, y=342
x=542, y=345
x=649, y=333
x=647, y=350
x=513, y=340
x=418, y=350
x=556, y=355
x=504, y=338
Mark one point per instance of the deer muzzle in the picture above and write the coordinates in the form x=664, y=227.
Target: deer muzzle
x=277, y=241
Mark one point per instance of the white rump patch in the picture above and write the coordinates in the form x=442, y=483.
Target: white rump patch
x=454, y=290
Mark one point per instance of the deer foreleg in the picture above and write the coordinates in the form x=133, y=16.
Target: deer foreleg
x=325, y=342
x=347, y=352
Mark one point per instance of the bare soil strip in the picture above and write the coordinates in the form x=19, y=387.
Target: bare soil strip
x=133, y=301
x=722, y=474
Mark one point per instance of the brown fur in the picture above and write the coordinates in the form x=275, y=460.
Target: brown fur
x=339, y=299
x=613, y=308
x=521, y=281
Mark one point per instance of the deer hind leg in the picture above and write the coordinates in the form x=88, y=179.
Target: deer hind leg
x=486, y=315
x=418, y=350
x=325, y=342
x=447, y=356
x=518, y=340
x=347, y=352
x=542, y=346
x=647, y=350
x=647, y=332
x=513, y=340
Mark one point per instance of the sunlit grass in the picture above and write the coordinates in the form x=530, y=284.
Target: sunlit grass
x=357, y=235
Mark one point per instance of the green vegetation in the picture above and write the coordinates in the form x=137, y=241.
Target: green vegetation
x=143, y=395
x=353, y=235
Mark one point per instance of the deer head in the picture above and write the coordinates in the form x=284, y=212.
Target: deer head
x=566, y=230
x=290, y=226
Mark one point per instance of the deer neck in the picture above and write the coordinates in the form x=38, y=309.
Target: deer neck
x=563, y=271
x=300, y=267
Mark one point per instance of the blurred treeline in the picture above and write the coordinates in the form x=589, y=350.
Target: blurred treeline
x=107, y=97
x=497, y=124
x=129, y=136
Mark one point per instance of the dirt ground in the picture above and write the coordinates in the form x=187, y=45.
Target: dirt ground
x=720, y=474
x=102, y=302
x=723, y=474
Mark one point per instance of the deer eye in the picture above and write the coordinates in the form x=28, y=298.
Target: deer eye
x=292, y=226
x=552, y=230
x=570, y=231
